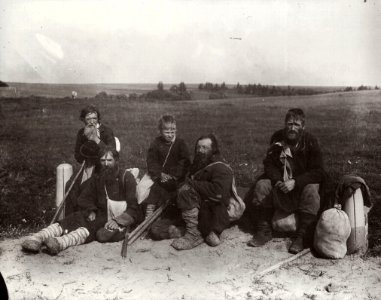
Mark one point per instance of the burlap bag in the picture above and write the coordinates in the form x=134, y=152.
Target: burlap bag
x=331, y=233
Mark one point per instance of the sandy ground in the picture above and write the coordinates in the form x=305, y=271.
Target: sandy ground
x=154, y=270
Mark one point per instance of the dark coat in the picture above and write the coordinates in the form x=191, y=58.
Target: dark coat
x=106, y=137
x=214, y=182
x=93, y=198
x=307, y=161
x=177, y=163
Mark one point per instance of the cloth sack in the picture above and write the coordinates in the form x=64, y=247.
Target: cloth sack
x=116, y=208
x=236, y=205
x=143, y=188
x=331, y=233
x=284, y=222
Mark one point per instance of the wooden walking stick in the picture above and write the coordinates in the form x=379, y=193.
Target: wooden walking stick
x=278, y=265
x=59, y=209
x=134, y=235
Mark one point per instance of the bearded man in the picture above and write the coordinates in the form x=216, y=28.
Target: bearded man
x=204, y=197
x=90, y=140
x=108, y=206
x=293, y=174
x=92, y=131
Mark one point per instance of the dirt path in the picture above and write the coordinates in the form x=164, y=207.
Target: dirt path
x=154, y=270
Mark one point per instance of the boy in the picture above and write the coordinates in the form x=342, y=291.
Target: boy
x=168, y=161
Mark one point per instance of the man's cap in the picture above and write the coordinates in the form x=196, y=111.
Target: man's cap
x=89, y=149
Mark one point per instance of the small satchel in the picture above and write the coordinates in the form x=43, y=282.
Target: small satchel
x=143, y=188
x=236, y=205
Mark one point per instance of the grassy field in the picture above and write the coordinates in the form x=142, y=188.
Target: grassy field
x=37, y=135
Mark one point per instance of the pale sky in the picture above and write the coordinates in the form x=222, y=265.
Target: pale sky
x=285, y=42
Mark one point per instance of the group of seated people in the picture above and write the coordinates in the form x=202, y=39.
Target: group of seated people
x=106, y=201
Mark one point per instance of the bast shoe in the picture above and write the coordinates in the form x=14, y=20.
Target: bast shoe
x=174, y=232
x=187, y=242
x=213, y=239
x=53, y=246
x=31, y=244
x=297, y=245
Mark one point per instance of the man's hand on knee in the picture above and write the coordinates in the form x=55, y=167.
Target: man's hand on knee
x=92, y=216
x=286, y=186
x=112, y=225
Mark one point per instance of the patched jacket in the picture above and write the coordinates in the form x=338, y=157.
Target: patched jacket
x=307, y=161
x=106, y=137
x=213, y=182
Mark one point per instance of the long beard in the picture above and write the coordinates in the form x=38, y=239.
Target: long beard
x=201, y=160
x=108, y=173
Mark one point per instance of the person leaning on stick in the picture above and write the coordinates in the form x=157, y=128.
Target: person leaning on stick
x=108, y=206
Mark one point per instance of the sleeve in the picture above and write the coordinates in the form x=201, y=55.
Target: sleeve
x=107, y=138
x=77, y=155
x=272, y=164
x=87, y=200
x=315, y=170
x=154, y=166
x=183, y=163
x=216, y=189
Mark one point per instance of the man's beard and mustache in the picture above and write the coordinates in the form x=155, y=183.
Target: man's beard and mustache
x=108, y=173
x=201, y=160
x=293, y=141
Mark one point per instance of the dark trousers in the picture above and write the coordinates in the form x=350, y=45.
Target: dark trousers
x=213, y=215
x=305, y=201
x=160, y=192
x=77, y=219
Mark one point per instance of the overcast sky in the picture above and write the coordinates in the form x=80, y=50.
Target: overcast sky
x=270, y=42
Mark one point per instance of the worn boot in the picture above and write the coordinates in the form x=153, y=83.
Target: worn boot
x=213, y=239
x=175, y=232
x=150, y=210
x=304, y=233
x=73, y=238
x=192, y=237
x=34, y=242
x=262, y=227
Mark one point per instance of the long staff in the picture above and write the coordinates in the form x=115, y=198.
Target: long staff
x=134, y=235
x=278, y=265
x=59, y=209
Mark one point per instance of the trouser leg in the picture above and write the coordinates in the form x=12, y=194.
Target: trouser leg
x=192, y=237
x=262, y=213
x=308, y=209
x=189, y=201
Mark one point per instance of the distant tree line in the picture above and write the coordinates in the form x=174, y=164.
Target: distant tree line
x=212, y=87
x=175, y=92
x=258, y=89
x=360, y=88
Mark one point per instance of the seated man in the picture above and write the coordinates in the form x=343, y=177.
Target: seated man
x=204, y=197
x=108, y=206
x=90, y=139
x=293, y=173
